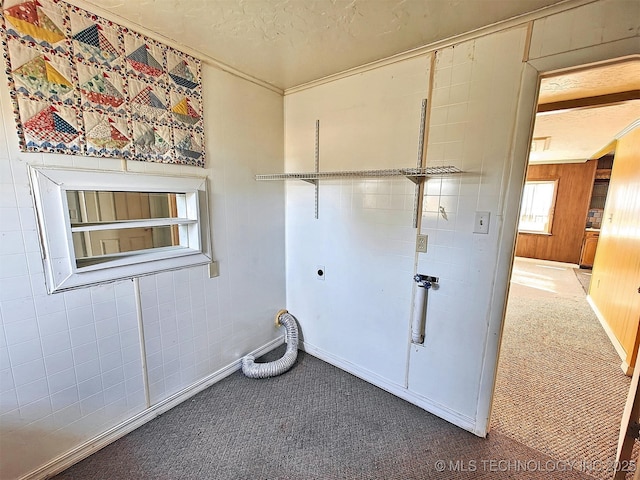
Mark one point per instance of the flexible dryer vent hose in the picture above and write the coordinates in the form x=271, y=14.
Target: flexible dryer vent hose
x=284, y=363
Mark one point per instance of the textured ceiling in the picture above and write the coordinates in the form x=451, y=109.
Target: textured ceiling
x=599, y=80
x=577, y=134
x=287, y=43
x=291, y=42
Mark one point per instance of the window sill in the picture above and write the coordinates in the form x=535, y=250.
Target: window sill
x=524, y=232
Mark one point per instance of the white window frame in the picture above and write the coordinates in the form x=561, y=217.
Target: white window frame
x=49, y=187
x=551, y=212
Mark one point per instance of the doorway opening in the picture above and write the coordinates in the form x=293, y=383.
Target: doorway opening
x=559, y=386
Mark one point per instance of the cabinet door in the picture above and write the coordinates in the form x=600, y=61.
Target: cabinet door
x=588, y=251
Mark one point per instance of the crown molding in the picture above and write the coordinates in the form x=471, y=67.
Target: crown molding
x=510, y=23
x=173, y=44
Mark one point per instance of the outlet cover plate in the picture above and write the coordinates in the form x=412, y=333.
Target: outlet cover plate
x=481, y=224
x=421, y=243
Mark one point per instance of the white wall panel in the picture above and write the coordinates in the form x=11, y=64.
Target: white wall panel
x=474, y=132
x=474, y=116
x=70, y=365
x=363, y=236
x=593, y=24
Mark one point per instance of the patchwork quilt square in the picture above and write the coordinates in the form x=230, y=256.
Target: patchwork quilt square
x=106, y=135
x=49, y=128
x=153, y=140
x=188, y=147
x=95, y=41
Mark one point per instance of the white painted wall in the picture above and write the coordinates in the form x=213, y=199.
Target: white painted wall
x=481, y=107
x=70, y=365
x=364, y=236
x=473, y=109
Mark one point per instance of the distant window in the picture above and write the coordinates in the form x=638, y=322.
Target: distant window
x=538, y=204
x=101, y=226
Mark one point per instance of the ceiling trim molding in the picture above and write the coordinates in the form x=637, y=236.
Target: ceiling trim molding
x=611, y=146
x=514, y=22
x=628, y=129
x=554, y=162
x=589, y=102
x=608, y=148
x=172, y=43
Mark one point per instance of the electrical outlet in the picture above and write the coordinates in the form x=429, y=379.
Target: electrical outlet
x=482, y=222
x=421, y=243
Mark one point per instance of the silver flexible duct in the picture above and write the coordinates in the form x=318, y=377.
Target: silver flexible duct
x=284, y=363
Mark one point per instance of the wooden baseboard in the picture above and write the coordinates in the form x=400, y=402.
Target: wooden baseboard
x=626, y=368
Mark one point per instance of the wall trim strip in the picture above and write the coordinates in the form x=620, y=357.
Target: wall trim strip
x=82, y=451
x=143, y=349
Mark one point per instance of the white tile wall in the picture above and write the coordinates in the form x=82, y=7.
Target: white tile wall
x=593, y=24
x=70, y=365
x=473, y=110
x=485, y=74
x=51, y=369
x=364, y=236
x=170, y=336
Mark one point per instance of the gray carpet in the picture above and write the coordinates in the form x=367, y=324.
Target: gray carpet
x=560, y=388
x=313, y=422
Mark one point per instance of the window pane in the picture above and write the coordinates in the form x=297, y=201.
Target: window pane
x=90, y=206
x=537, y=207
x=88, y=221
x=98, y=243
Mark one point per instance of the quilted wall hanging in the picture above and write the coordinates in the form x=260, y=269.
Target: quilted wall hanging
x=84, y=85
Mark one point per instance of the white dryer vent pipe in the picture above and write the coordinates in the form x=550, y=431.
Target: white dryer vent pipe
x=424, y=283
x=284, y=363
x=418, y=321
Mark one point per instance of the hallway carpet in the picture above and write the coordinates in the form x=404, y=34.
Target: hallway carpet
x=560, y=388
x=313, y=422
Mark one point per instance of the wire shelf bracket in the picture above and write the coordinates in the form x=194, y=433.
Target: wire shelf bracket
x=417, y=175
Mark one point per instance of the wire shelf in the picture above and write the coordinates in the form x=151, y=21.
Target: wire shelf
x=391, y=172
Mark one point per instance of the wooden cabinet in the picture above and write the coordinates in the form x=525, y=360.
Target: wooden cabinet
x=589, y=245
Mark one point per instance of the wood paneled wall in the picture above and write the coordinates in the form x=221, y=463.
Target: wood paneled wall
x=575, y=182
x=616, y=270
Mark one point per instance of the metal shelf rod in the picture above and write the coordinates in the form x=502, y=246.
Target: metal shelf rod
x=413, y=174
